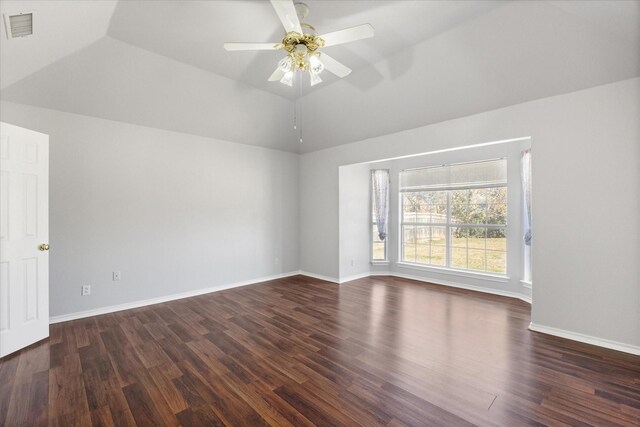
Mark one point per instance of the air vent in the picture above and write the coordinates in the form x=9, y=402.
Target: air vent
x=18, y=24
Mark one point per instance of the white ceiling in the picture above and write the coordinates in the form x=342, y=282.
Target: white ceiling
x=60, y=28
x=620, y=17
x=161, y=63
x=116, y=81
x=517, y=53
x=193, y=32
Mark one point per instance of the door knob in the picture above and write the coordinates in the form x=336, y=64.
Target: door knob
x=44, y=247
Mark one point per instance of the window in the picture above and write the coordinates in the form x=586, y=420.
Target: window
x=526, y=192
x=379, y=213
x=455, y=216
x=379, y=247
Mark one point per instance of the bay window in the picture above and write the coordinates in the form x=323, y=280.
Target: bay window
x=455, y=216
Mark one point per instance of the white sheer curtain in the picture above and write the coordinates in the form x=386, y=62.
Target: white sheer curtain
x=526, y=191
x=380, y=185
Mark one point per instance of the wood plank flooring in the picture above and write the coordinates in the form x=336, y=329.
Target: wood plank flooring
x=302, y=352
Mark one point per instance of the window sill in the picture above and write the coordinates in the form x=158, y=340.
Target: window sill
x=526, y=284
x=379, y=262
x=450, y=271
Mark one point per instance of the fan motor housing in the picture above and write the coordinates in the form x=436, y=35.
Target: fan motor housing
x=293, y=39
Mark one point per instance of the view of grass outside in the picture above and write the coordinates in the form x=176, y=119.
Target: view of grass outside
x=465, y=254
x=475, y=227
x=378, y=246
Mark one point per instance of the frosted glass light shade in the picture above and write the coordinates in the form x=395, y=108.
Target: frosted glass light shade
x=315, y=65
x=286, y=64
x=315, y=79
x=287, y=78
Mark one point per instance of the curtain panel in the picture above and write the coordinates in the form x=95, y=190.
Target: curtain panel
x=526, y=191
x=380, y=187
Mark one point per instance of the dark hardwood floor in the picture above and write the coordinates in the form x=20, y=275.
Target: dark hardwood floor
x=301, y=352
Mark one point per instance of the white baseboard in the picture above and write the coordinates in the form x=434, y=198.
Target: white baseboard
x=509, y=294
x=157, y=300
x=454, y=285
x=464, y=286
x=587, y=339
x=601, y=342
x=335, y=280
x=538, y=328
x=354, y=277
x=319, y=276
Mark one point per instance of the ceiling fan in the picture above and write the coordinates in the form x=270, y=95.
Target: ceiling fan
x=302, y=45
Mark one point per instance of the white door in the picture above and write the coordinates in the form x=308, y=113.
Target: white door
x=24, y=237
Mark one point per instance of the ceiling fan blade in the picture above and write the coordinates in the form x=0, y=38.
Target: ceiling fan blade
x=277, y=75
x=347, y=35
x=287, y=13
x=251, y=46
x=334, y=66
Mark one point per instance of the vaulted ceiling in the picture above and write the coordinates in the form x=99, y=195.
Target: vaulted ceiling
x=161, y=63
x=169, y=29
x=61, y=28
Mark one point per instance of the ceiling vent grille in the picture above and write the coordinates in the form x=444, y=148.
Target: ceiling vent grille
x=19, y=24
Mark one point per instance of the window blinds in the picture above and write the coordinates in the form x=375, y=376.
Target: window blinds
x=488, y=173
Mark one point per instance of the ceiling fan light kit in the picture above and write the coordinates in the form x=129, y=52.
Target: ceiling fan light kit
x=302, y=45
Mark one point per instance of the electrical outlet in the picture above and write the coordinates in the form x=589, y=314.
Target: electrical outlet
x=353, y=262
x=116, y=276
x=86, y=290
x=277, y=261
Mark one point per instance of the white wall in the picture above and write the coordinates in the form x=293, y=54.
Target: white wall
x=354, y=193
x=586, y=198
x=172, y=212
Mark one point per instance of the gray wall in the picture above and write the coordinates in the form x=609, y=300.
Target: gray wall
x=586, y=197
x=173, y=212
x=355, y=220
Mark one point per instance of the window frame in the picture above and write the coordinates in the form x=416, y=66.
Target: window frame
x=372, y=222
x=386, y=247
x=448, y=226
x=527, y=272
